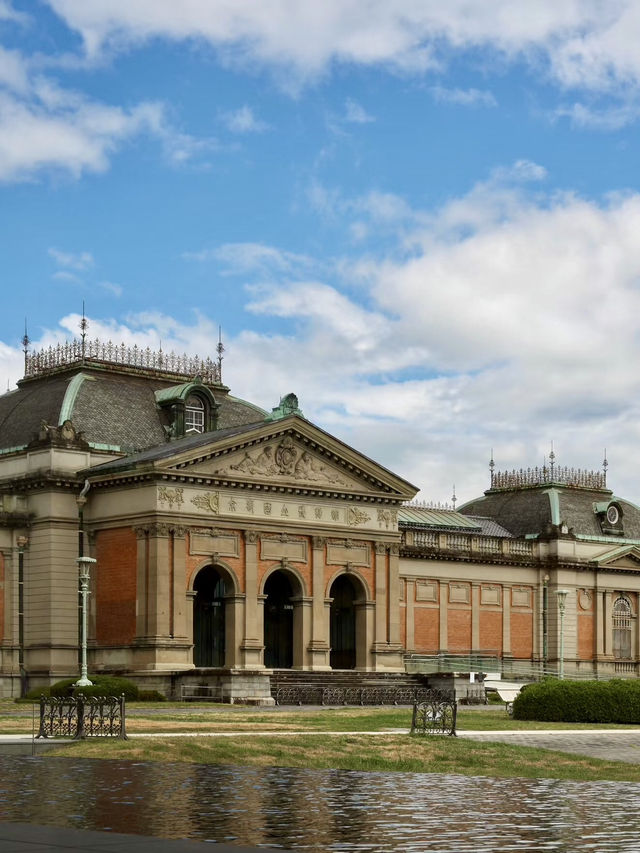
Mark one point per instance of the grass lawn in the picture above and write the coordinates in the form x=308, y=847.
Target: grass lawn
x=389, y=752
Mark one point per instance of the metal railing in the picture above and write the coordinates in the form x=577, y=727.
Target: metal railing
x=323, y=694
x=435, y=715
x=82, y=716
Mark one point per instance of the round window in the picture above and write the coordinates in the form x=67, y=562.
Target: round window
x=613, y=515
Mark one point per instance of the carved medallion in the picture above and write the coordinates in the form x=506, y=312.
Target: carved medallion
x=210, y=501
x=356, y=516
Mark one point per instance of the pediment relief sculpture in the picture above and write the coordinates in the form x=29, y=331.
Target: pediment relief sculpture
x=284, y=460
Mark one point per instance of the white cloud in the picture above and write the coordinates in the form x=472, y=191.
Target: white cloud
x=239, y=258
x=243, y=120
x=110, y=287
x=355, y=113
x=464, y=97
x=72, y=260
x=584, y=43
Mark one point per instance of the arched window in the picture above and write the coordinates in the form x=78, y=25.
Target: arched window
x=194, y=413
x=622, y=628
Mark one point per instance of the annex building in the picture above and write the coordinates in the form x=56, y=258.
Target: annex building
x=231, y=542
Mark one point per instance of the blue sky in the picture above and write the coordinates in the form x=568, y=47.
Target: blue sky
x=420, y=217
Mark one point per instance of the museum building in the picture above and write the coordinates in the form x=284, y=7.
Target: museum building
x=231, y=543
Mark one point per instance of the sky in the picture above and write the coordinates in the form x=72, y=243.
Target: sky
x=423, y=218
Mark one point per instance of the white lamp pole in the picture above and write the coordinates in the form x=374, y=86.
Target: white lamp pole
x=562, y=600
x=84, y=565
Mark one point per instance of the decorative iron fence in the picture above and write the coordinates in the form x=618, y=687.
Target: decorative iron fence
x=51, y=358
x=82, y=717
x=317, y=694
x=435, y=715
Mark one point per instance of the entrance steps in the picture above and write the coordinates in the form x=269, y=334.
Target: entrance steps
x=345, y=687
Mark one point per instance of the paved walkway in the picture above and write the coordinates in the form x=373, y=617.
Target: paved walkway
x=610, y=744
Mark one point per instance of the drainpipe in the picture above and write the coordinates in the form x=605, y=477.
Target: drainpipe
x=22, y=542
x=545, y=624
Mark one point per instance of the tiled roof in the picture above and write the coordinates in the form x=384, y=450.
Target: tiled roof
x=108, y=407
x=446, y=519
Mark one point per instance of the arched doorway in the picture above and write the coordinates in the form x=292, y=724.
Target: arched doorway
x=343, y=623
x=278, y=622
x=209, y=618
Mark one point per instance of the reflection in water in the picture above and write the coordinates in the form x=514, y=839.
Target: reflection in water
x=331, y=810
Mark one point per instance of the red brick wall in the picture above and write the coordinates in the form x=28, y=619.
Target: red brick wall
x=585, y=636
x=426, y=629
x=116, y=552
x=491, y=630
x=521, y=633
x=459, y=630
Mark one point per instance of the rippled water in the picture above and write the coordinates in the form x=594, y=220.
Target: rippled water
x=322, y=810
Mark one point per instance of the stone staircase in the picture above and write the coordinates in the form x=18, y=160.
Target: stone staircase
x=346, y=687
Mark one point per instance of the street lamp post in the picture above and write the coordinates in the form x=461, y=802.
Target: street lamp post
x=562, y=601
x=84, y=565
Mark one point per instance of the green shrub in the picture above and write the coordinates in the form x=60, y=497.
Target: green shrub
x=103, y=685
x=109, y=685
x=615, y=701
x=151, y=696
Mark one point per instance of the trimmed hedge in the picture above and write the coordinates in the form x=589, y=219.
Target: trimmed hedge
x=615, y=701
x=103, y=685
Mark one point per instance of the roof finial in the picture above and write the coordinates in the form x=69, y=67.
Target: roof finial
x=25, y=345
x=552, y=461
x=453, y=497
x=492, y=466
x=83, y=331
x=220, y=350
x=605, y=465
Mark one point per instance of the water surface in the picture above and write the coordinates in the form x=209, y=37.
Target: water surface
x=322, y=810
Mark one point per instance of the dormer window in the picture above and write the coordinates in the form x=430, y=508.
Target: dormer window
x=194, y=412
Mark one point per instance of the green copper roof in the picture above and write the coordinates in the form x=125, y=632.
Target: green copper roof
x=428, y=517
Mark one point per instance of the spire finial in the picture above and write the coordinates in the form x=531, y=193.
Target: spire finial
x=605, y=465
x=25, y=345
x=83, y=330
x=220, y=350
x=552, y=460
x=453, y=496
x=492, y=466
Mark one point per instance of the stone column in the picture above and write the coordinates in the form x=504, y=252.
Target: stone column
x=302, y=627
x=444, y=604
x=599, y=622
x=381, y=635
x=410, y=594
x=253, y=640
x=608, y=623
x=234, y=629
x=142, y=571
x=158, y=583
x=189, y=602
x=394, y=594
x=318, y=647
x=179, y=584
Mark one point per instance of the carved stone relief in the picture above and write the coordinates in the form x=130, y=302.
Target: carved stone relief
x=286, y=460
x=521, y=597
x=490, y=595
x=225, y=545
x=339, y=555
x=289, y=549
x=356, y=516
x=585, y=599
x=170, y=496
x=209, y=501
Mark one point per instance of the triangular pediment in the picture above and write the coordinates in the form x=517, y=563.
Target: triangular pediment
x=624, y=557
x=292, y=453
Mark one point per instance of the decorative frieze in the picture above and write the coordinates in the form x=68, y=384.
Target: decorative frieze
x=173, y=497
x=209, y=501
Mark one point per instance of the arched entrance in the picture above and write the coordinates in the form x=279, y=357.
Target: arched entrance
x=209, y=618
x=278, y=622
x=343, y=623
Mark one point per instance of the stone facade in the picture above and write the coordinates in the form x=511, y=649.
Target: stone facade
x=267, y=543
